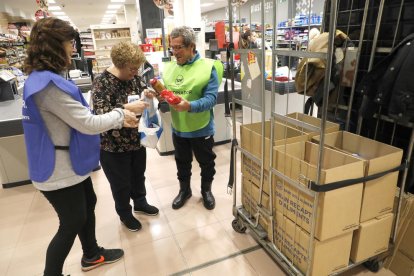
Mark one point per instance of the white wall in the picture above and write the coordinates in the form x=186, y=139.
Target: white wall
x=132, y=20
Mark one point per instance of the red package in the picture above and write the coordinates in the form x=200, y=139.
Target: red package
x=170, y=97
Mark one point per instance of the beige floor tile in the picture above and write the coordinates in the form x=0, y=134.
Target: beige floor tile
x=6, y=256
x=39, y=230
x=242, y=241
x=23, y=194
x=28, y=260
x=153, y=228
x=234, y=266
x=9, y=235
x=191, y=216
x=206, y=243
x=263, y=264
x=161, y=257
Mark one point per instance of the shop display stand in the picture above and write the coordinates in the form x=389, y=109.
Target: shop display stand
x=247, y=220
x=104, y=37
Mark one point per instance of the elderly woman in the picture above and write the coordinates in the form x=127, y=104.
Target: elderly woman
x=123, y=159
x=62, y=143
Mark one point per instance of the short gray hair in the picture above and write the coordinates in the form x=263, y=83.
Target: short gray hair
x=187, y=33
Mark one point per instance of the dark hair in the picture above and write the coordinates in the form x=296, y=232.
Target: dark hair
x=46, y=50
x=246, y=34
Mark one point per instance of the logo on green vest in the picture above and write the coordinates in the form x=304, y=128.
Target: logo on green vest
x=179, y=80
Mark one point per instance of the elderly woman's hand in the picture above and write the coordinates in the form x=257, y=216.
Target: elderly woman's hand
x=150, y=93
x=130, y=119
x=136, y=106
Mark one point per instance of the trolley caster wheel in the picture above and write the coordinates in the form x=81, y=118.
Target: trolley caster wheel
x=374, y=265
x=238, y=226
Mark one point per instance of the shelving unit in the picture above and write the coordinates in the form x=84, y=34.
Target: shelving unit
x=104, y=37
x=87, y=44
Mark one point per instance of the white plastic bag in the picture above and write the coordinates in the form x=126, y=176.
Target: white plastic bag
x=150, y=125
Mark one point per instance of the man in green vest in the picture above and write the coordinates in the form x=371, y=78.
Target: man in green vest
x=196, y=80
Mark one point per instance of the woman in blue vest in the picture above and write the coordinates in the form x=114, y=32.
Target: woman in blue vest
x=62, y=144
x=196, y=80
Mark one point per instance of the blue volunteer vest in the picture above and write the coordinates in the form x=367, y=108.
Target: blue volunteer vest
x=83, y=148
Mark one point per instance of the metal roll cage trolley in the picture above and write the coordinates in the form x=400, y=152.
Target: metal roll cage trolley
x=245, y=220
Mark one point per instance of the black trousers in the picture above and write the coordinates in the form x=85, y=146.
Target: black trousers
x=75, y=207
x=125, y=172
x=203, y=152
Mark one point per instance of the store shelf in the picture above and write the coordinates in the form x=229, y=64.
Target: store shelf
x=11, y=44
x=113, y=38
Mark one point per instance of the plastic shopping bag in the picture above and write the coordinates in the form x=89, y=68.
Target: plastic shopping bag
x=150, y=125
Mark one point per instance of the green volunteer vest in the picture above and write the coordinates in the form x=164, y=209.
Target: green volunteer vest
x=188, y=81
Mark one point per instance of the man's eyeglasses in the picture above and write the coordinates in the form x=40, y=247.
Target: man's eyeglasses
x=177, y=47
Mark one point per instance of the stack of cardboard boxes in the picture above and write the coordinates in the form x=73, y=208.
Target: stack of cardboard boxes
x=354, y=221
x=373, y=234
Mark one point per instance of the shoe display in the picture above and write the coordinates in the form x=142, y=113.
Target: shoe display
x=104, y=256
x=131, y=223
x=146, y=209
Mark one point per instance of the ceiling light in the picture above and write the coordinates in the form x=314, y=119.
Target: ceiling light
x=110, y=12
x=114, y=7
x=58, y=13
x=117, y=1
x=54, y=8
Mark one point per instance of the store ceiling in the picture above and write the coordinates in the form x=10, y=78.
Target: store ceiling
x=83, y=13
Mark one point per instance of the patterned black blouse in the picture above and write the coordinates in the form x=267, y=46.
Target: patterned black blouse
x=109, y=92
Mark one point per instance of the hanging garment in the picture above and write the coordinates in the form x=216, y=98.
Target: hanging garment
x=389, y=84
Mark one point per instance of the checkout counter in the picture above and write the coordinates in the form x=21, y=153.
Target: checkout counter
x=223, y=127
x=13, y=160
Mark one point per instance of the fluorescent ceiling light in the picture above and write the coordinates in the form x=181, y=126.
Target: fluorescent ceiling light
x=54, y=8
x=114, y=7
x=206, y=4
x=108, y=16
x=117, y=1
x=58, y=13
x=110, y=12
x=51, y=2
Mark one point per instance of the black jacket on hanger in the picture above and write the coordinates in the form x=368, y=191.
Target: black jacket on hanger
x=391, y=84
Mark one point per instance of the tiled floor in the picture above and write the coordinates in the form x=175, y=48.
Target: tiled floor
x=188, y=241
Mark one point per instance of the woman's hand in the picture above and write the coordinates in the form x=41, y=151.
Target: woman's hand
x=136, y=106
x=130, y=119
x=150, y=93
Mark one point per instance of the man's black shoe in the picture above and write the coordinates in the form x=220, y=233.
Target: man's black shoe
x=146, y=209
x=181, y=198
x=131, y=223
x=208, y=200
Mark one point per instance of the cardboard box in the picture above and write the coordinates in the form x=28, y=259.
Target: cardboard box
x=294, y=243
x=338, y=210
x=310, y=120
x=252, y=171
x=251, y=138
x=407, y=241
x=405, y=220
x=250, y=199
x=371, y=238
x=378, y=196
x=401, y=265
